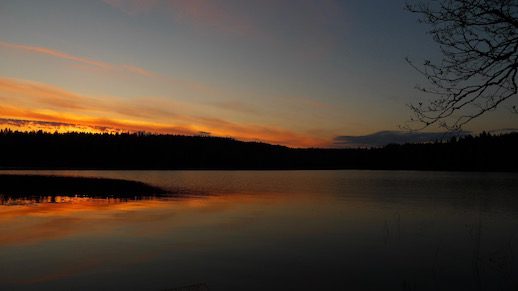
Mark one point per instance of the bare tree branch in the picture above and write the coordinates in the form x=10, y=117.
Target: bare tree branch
x=478, y=40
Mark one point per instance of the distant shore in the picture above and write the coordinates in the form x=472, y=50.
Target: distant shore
x=20, y=185
x=82, y=151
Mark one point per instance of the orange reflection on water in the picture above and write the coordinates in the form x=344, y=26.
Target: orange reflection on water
x=30, y=220
x=77, y=236
x=35, y=220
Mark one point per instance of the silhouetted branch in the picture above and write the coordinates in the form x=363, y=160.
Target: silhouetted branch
x=479, y=44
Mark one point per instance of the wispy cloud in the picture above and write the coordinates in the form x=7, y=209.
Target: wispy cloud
x=21, y=123
x=56, y=54
x=77, y=59
x=33, y=92
x=193, y=86
x=53, y=108
x=383, y=138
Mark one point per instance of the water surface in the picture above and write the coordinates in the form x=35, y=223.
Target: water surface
x=267, y=230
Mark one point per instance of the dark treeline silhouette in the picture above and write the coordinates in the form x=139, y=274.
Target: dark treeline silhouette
x=40, y=150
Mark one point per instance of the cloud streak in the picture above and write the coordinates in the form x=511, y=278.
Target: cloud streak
x=79, y=60
x=37, y=105
x=56, y=54
x=192, y=86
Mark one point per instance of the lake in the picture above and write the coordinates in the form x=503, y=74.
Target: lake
x=268, y=230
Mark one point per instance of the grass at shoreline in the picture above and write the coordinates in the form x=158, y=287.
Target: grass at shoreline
x=17, y=184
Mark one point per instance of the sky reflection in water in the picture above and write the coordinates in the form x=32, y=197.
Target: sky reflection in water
x=270, y=230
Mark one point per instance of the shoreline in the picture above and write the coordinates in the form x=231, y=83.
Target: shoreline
x=30, y=184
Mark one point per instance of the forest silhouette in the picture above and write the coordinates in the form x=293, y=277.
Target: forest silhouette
x=42, y=150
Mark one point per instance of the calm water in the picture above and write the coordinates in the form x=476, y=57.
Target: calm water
x=270, y=230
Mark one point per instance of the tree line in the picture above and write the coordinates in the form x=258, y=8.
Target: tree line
x=41, y=150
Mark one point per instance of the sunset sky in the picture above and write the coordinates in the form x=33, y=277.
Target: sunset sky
x=297, y=73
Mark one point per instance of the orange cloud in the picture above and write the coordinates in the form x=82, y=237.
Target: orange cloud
x=76, y=59
x=56, y=54
x=35, y=102
x=253, y=132
x=189, y=85
x=27, y=94
x=42, y=94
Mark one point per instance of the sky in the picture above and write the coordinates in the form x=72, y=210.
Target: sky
x=297, y=73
